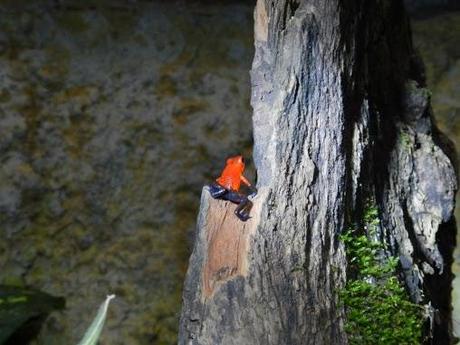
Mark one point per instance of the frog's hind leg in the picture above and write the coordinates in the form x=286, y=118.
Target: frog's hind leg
x=244, y=204
x=243, y=209
x=217, y=191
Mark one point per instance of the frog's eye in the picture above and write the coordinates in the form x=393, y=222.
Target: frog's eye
x=242, y=159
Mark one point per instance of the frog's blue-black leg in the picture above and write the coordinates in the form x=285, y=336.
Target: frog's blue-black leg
x=244, y=205
x=243, y=209
x=217, y=191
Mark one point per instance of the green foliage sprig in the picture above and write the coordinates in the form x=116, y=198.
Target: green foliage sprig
x=378, y=308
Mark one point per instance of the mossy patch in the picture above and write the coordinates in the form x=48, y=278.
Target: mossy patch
x=5, y=96
x=165, y=319
x=80, y=93
x=77, y=134
x=165, y=86
x=187, y=107
x=31, y=113
x=122, y=23
x=54, y=71
x=405, y=139
x=12, y=280
x=378, y=308
x=71, y=21
x=172, y=67
x=157, y=324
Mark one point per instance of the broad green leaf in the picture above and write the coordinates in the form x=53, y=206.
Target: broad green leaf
x=24, y=308
x=92, y=334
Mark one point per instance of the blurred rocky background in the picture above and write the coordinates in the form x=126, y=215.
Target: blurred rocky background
x=112, y=117
x=436, y=34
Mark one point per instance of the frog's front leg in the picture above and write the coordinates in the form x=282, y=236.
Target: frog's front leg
x=217, y=191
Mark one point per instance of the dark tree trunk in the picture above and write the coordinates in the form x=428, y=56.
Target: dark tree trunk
x=341, y=116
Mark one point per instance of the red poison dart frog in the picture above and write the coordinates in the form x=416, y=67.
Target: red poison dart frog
x=227, y=187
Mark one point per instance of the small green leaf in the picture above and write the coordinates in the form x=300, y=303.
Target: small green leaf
x=92, y=334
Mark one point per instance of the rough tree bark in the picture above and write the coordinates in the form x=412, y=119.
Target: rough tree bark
x=341, y=117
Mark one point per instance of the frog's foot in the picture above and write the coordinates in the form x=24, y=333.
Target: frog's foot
x=243, y=209
x=242, y=216
x=253, y=193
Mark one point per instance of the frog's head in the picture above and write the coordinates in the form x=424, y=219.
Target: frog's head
x=237, y=160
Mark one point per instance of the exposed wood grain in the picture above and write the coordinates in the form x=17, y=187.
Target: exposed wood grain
x=227, y=244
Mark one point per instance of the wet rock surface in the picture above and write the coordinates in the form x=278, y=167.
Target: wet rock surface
x=111, y=120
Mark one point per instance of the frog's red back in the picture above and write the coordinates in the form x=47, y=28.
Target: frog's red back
x=231, y=175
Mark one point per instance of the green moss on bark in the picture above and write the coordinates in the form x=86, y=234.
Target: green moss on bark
x=378, y=308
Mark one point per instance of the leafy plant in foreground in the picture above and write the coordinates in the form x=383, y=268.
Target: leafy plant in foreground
x=94, y=331
x=22, y=312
